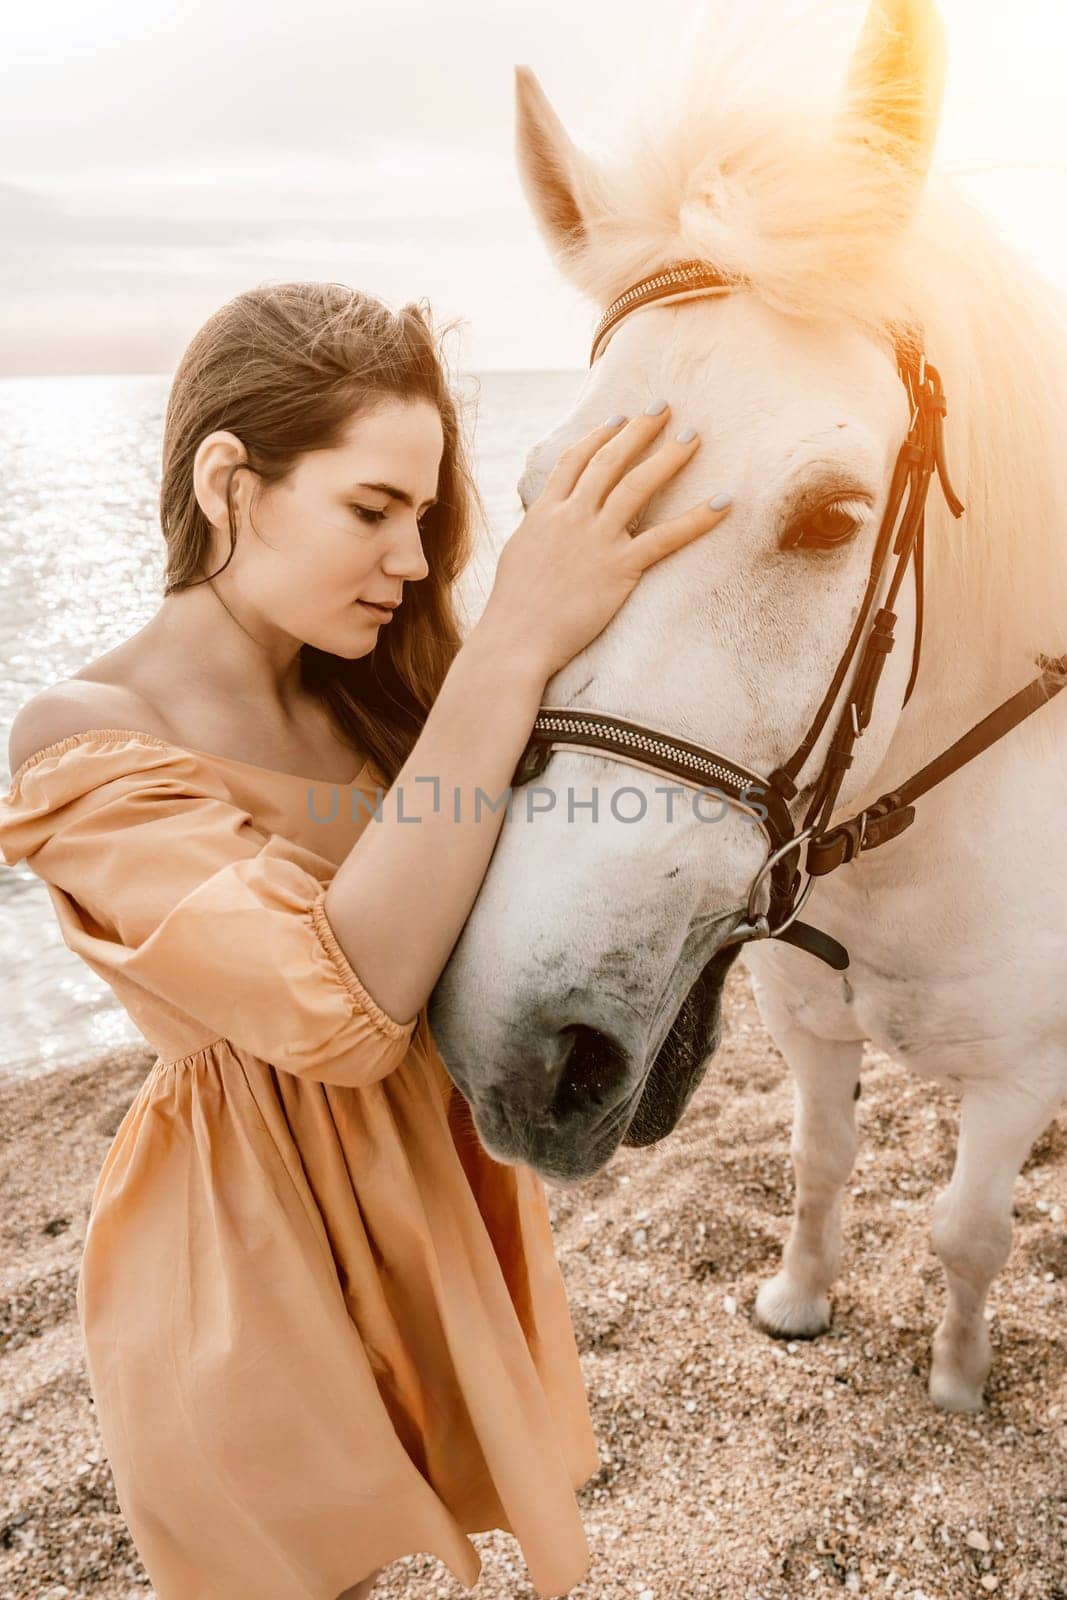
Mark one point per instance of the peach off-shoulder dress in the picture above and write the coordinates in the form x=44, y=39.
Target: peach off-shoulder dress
x=323, y=1327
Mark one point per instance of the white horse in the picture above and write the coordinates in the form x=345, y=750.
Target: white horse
x=582, y=1001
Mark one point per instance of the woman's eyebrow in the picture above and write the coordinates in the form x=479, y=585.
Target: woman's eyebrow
x=396, y=494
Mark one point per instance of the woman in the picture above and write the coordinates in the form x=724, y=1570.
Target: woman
x=323, y=1327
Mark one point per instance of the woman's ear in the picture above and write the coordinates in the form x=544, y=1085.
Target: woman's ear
x=213, y=466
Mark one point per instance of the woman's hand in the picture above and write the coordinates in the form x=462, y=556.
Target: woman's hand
x=573, y=561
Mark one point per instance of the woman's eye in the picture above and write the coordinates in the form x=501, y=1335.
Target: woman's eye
x=374, y=517
x=831, y=525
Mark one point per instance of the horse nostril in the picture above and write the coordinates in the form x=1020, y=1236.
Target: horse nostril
x=593, y=1072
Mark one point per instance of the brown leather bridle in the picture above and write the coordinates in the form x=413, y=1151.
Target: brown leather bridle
x=766, y=799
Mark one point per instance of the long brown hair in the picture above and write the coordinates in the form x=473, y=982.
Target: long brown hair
x=286, y=368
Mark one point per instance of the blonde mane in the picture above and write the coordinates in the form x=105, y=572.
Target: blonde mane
x=751, y=155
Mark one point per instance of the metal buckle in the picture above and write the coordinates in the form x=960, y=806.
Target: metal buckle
x=771, y=862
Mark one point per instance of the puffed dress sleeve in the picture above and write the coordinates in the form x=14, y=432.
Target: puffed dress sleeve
x=177, y=889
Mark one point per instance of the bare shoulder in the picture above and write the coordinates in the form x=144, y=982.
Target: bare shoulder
x=76, y=705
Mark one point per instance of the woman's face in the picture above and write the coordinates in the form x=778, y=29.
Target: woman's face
x=342, y=527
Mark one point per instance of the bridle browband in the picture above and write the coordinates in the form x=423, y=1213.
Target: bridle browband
x=766, y=799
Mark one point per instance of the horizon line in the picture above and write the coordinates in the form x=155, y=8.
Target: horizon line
x=130, y=372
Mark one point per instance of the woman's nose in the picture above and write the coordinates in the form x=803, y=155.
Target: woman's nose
x=409, y=559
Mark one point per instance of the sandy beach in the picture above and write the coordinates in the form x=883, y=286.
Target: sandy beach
x=733, y=1466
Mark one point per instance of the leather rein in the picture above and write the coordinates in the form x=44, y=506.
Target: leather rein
x=766, y=799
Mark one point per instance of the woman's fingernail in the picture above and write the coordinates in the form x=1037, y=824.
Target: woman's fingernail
x=685, y=436
x=721, y=501
x=655, y=408
x=613, y=422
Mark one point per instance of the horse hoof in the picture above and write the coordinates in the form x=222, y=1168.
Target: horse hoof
x=950, y=1392
x=784, y=1313
x=959, y=1367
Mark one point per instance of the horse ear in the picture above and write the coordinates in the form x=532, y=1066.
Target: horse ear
x=557, y=178
x=896, y=79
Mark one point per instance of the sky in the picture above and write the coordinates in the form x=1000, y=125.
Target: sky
x=159, y=156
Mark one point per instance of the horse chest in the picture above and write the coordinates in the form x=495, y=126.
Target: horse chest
x=944, y=1028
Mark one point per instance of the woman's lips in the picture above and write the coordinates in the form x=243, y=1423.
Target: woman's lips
x=379, y=613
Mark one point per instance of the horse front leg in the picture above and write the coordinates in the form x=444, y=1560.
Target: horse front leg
x=795, y=1303
x=971, y=1232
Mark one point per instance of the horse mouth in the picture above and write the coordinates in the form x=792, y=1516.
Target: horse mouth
x=679, y=1065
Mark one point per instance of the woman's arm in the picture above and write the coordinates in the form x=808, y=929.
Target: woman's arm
x=398, y=902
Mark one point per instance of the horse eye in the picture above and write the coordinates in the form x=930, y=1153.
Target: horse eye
x=831, y=525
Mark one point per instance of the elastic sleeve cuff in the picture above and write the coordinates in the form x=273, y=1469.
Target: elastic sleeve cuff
x=382, y=1020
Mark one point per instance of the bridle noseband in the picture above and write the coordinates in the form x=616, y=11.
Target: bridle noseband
x=766, y=799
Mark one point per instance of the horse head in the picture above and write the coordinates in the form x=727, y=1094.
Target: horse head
x=581, y=1004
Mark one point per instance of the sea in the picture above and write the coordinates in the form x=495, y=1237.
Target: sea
x=81, y=569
